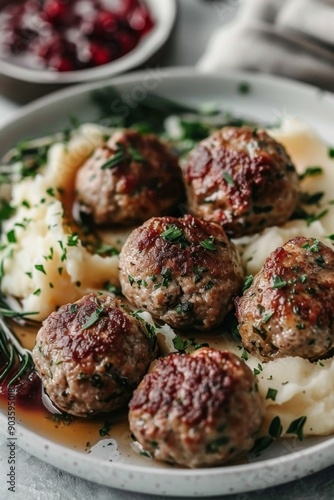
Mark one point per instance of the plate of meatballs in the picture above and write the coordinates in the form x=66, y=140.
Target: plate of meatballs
x=167, y=281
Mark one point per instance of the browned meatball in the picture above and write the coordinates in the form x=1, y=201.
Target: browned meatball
x=242, y=179
x=130, y=179
x=289, y=308
x=91, y=354
x=197, y=409
x=183, y=271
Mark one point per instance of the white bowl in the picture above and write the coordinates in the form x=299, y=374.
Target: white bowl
x=164, y=14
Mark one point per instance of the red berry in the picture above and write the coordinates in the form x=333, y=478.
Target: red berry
x=106, y=22
x=54, y=11
x=100, y=54
x=126, y=40
x=61, y=63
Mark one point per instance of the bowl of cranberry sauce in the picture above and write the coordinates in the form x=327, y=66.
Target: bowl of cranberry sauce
x=67, y=41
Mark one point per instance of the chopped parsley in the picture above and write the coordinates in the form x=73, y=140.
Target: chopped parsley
x=278, y=282
x=275, y=427
x=40, y=268
x=73, y=240
x=267, y=316
x=228, y=178
x=311, y=199
x=244, y=88
x=331, y=152
x=117, y=158
x=271, y=394
x=93, y=318
x=131, y=279
x=105, y=429
x=208, y=244
x=314, y=217
x=247, y=283
x=198, y=272
x=296, y=427
x=312, y=248
x=174, y=234
x=11, y=237
x=244, y=355
x=121, y=154
x=179, y=344
x=303, y=278
x=310, y=172
x=184, y=307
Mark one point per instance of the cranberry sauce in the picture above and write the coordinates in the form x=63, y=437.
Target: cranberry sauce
x=67, y=35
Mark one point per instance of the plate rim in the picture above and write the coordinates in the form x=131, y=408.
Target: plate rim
x=215, y=472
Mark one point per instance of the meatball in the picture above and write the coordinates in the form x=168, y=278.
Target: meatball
x=183, y=271
x=91, y=354
x=289, y=308
x=198, y=409
x=130, y=179
x=242, y=179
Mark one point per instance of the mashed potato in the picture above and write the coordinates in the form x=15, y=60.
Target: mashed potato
x=44, y=263
x=306, y=150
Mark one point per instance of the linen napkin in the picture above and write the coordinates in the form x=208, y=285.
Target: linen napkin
x=291, y=38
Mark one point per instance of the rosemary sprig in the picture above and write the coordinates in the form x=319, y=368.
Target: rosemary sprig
x=11, y=347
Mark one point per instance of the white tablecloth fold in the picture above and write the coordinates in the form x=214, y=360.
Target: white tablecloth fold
x=292, y=38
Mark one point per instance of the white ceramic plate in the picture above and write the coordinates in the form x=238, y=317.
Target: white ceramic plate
x=164, y=15
x=268, y=98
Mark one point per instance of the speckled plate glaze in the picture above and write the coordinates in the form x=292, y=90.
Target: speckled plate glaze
x=113, y=461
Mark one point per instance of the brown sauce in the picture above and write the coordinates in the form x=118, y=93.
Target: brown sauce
x=35, y=411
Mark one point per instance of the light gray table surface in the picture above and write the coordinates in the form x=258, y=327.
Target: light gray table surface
x=36, y=480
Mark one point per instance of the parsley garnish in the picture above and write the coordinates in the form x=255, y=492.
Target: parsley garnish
x=73, y=240
x=105, y=429
x=174, y=234
x=247, y=283
x=117, y=158
x=271, y=394
x=131, y=279
x=303, y=278
x=228, y=178
x=244, y=88
x=40, y=268
x=311, y=199
x=209, y=244
x=93, y=318
x=296, y=427
x=279, y=282
x=179, y=344
x=11, y=236
x=275, y=428
x=310, y=172
x=331, y=152
x=267, y=316
x=314, y=217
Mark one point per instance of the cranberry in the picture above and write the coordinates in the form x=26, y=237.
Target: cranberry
x=100, y=54
x=126, y=40
x=57, y=31
x=106, y=22
x=55, y=11
x=61, y=63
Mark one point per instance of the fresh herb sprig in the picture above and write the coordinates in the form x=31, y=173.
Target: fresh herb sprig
x=17, y=358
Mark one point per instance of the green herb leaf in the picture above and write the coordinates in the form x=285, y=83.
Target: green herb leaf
x=296, y=427
x=93, y=318
x=247, y=283
x=267, y=316
x=228, y=178
x=278, y=282
x=117, y=158
x=174, y=234
x=271, y=394
x=311, y=172
x=331, y=152
x=275, y=428
x=179, y=344
x=209, y=244
x=40, y=268
x=73, y=240
x=105, y=429
x=11, y=237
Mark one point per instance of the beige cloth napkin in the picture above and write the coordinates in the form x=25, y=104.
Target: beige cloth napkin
x=292, y=38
